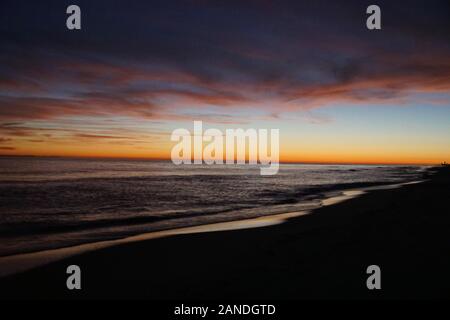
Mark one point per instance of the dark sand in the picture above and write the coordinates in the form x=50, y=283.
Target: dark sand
x=405, y=231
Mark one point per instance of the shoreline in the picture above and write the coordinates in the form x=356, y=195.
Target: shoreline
x=22, y=262
x=316, y=256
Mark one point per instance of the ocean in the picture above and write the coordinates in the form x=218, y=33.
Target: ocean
x=50, y=203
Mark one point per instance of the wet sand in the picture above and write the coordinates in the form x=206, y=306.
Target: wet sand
x=321, y=255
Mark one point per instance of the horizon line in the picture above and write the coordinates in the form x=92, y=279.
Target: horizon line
x=168, y=159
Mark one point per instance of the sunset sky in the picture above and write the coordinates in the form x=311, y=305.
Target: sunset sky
x=137, y=70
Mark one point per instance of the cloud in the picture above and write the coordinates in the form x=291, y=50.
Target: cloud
x=98, y=136
x=169, y=61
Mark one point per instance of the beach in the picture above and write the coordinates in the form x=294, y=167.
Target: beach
x=324, y=254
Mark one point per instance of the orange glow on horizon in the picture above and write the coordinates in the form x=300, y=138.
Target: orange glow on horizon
x=318, y=150
x=313, y=159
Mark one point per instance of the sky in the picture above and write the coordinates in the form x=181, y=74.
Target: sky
x=137, y=70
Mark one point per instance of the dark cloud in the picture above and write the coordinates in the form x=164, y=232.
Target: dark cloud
x=141, y=58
